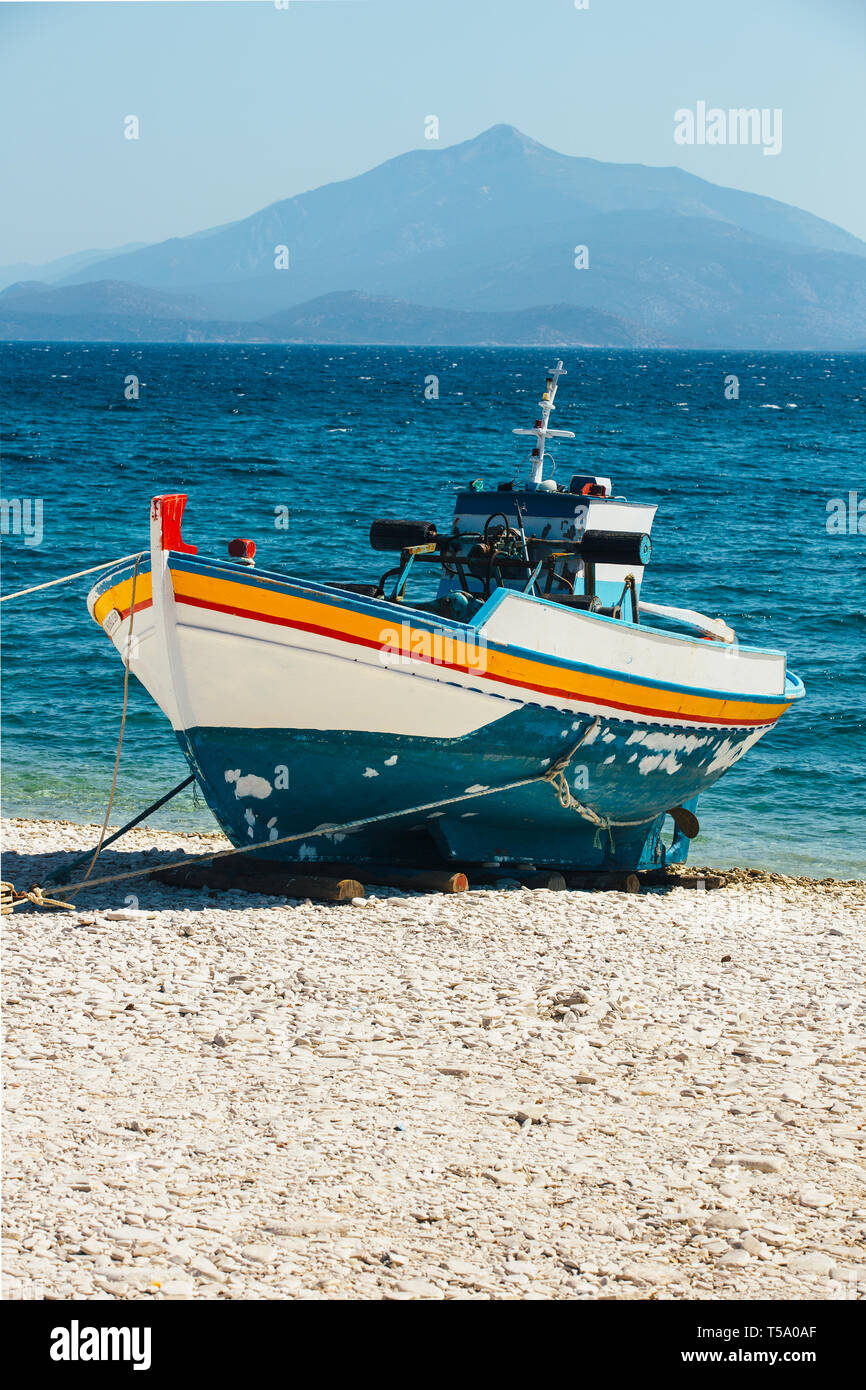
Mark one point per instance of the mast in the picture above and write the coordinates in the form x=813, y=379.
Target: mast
x=540, y=429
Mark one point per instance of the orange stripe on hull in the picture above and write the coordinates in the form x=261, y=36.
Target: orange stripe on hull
x=503, y=668
x=362, y=629
x=119, y=597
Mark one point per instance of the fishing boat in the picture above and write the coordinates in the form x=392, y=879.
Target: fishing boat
x=504, y=694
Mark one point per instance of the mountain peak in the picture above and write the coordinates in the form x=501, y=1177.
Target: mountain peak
x=500, y=140
x=492, y=224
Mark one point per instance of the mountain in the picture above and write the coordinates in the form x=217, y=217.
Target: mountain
x=111, y=311
x=99, y=296
x=350, y=317
x=490, y=226
x=52, y=271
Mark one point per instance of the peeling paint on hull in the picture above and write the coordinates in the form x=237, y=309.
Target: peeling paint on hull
x=329, y=783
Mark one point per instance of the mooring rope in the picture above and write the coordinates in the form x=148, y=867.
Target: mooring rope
x=550, y=776
x=10, y=898
x=345, y=828
x=126, y=666
x=571, y=803
x=66, y=577
x=555, y=776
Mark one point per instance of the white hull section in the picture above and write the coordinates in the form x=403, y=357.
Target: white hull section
x=639, y=652
x=230, y=671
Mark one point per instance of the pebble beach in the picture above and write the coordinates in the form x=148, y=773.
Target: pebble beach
x=501, y=1094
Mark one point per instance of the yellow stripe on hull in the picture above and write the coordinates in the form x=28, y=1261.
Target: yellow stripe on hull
x=501, y=667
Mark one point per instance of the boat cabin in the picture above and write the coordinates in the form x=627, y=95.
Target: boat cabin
x=577, y=546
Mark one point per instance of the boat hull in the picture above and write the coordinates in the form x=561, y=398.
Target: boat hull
x=264, y=785
x=302, y=709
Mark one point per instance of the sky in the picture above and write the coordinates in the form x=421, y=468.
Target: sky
x=241, y=103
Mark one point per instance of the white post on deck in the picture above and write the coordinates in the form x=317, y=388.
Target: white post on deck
x=540, y=429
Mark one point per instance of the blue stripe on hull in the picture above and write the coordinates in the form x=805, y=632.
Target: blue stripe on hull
x=263, y=784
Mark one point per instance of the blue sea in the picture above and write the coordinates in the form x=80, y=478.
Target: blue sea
x=340, y=435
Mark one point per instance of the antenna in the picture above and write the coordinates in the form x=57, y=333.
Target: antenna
x=540, y=429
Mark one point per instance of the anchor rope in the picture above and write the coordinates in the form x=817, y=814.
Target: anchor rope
x=79, y=574
x=558, y=781
x=344, y=828
x=126, y=665
x=555, y=776
x=551, y=776
x=11, y=898
x=560, y=785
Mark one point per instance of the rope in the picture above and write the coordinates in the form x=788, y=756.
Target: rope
x=554, y=775
x=130, y=825
x=303, y=835
x=330, y=829
x=557, y=779
x=126, y=666
x=78, y=575
x=11, y=899
x=571, y=803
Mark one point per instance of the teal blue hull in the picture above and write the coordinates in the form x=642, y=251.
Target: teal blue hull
x=306, y=779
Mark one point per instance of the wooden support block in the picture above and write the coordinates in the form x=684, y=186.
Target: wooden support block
x=551, y=879
x=414, y=880
x=698, y=881
x=419, y=880
x=600, y=882
x=270, y=879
